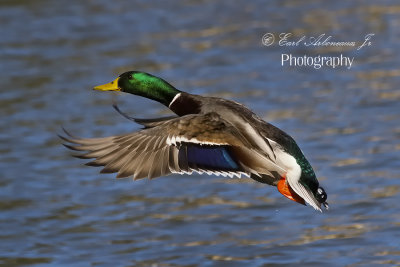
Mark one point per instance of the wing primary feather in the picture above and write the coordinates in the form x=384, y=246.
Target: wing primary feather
x=148, y=123
x=76, y=148
x=115, y=106
x=131, y=166
x=156, y=165
x=119, y=161
x=183, y=159
x=164, y=159
x=173, y=159
x=144, y=167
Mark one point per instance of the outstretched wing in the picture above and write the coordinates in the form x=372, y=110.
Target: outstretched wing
x=196, y=142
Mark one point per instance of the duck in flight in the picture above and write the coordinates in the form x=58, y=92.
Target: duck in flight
x=207, y=135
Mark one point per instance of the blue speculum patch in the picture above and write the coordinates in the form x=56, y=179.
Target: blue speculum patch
x=209, y=157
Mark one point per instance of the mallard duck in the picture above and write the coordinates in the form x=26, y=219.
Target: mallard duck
x=208, y=135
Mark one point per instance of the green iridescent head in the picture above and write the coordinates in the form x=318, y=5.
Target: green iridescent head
x=142, y=84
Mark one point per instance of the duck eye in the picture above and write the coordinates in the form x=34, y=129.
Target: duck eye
x=321, y=195
x=130, y=77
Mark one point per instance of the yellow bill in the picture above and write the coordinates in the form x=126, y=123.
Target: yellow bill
x=112, y=86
